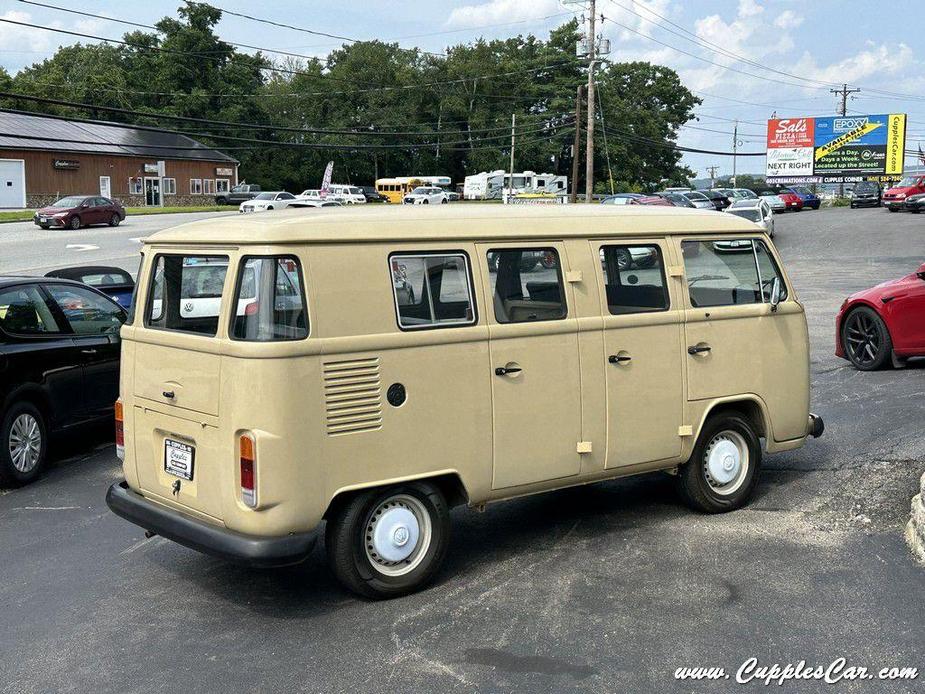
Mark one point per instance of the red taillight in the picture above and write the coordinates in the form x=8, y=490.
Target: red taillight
x=246, y=448
x=120, y=431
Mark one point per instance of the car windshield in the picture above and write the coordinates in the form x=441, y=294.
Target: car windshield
x=265, y=196
x=423, y=191
x=746, y=213
x=695, y=196
x=72, y=201
x=907, y=182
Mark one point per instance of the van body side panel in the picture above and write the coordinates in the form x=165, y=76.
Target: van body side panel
x=590, y=355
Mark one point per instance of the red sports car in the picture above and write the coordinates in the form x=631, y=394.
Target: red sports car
x=883, y=324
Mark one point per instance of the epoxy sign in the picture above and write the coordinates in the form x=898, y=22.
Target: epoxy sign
x=836, y=147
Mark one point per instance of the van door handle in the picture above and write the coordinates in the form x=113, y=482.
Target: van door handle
x=697, y=349
x=168, y=394
x=88, y=351
x=505, y=370
x=619, y=358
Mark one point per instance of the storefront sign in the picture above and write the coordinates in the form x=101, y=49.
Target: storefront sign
x=222, y=171
x=66, y=164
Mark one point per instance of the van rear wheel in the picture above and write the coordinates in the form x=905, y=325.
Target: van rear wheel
x=723, y=470
x=384, y=543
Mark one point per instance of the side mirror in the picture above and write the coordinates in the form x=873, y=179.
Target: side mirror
x=775, y=293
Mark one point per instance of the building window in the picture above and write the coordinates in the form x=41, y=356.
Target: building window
x=208, y=186
x=135, y=186
x=222, y=185
x=170, y=186
x=195, y=186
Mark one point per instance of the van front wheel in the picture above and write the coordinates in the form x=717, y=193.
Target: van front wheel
x=384, y=543
x=723, y=469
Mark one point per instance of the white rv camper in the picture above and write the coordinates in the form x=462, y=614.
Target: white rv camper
x=496, y=184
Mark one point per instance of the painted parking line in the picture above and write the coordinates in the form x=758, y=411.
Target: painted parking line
x=81, y=247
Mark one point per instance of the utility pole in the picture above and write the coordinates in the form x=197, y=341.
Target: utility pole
x=589, y=147
x=843, y=92
x=510, y=189
x=576, y=148
x=712, y=169
x=735, y=149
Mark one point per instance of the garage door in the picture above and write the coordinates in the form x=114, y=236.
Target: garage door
x=12, y=183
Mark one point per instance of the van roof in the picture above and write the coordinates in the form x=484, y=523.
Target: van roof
x=463, y=222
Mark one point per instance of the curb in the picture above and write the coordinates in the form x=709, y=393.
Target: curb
x=915, y=528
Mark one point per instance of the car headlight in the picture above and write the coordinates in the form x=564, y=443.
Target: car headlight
x=900, y=196
x=60, y=214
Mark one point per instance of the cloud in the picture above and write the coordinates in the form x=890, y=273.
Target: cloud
x=749, y=8
x=873, y=60
x=501, y=11
x=788, y=19
x=27, y=44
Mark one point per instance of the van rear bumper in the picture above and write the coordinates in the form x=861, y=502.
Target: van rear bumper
x=250, y=550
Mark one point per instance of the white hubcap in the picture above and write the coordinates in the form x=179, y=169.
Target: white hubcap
x=398, y=535
x=25, y=444
x=726, y=462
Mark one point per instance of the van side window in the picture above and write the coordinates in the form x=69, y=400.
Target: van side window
x=527, y=285
x=432, y=290
x=186, y=293
x=634, y=278
x=269, y=300
x=728, y=272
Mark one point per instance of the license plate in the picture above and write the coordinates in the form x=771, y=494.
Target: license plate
x=43, y=220
x=178, y=459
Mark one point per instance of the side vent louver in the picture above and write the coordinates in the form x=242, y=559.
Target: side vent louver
x=352, y=396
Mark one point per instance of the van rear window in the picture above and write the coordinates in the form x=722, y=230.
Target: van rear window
x=186, y=293
x=270, y=300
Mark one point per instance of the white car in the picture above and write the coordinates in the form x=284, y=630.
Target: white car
x=350, y=195
x=774, y=201
x=757, y=211
x=426, y=195
x=278, y=200
x=744, y=194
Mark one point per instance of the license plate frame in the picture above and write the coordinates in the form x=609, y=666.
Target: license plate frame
x=179, y=459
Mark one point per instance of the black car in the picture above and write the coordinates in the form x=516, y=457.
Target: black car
x=373, y=195
x=675, y=199
x=59, y=366
x=114, y=282
x=718, y=198
x=915, y=203
x=866, y=194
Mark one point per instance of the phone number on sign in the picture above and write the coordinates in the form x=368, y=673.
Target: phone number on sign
x=837, y=671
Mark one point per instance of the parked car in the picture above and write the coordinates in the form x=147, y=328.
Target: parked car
x=809, y=199
x=452, y=195
x=775, y=201
x=699, y=200
x=676, y=199
x=744, y=194
x=240, y=193
x=621, y=198
x=757, y=211
x=791, y=201
x=915, y=203
x=114, y=282
x=426, y=195
x=278, y=200
x=883, y=325
x=59, y=366
x=894, y=199
x=866, y=194
x=720, y=201
x=349, y=195
x=75, y=211
x=311, y=202
x=657, y=200
x=373, y=195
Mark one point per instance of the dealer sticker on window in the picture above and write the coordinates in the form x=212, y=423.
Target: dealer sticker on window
x=178, y=459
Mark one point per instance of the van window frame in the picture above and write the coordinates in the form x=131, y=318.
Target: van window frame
x=146, y=309
x=560, y=278
x=435, y=326
x=711, y=239
x=666, y=291
x=239, y=277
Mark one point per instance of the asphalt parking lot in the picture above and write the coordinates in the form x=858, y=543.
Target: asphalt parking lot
x=604, y=588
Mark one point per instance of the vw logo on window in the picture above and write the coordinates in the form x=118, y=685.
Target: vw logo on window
x=188, y=307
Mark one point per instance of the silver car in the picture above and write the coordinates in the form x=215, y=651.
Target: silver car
x=757, y=211
x=699, y=200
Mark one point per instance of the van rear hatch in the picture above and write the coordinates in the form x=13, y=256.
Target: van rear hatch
x=180, y=456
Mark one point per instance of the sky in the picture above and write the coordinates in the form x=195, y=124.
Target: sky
x=733, y=54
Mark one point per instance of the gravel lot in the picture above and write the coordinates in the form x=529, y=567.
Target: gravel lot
x=609, y=587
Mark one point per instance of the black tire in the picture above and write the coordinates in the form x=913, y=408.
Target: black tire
x=74, y=223
x=221, y=201
x=624, y=260
x=269, y=207
x=444, y=201
x=114, y=220
x=697, y=487
x=44, y=226
x=892, y=209
x=349, y=543
x=866, y=340
x=10, y=474
x=425, y=202
x=853, y=206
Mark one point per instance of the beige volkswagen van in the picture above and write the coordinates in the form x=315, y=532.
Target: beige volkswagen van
x=372, y=368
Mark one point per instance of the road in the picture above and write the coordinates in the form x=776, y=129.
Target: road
x=27, y=249
x=605, y=588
